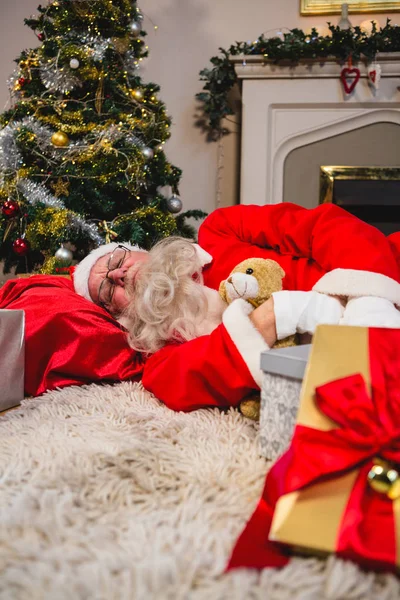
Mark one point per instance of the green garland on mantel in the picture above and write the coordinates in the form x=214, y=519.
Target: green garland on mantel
x=292, y=46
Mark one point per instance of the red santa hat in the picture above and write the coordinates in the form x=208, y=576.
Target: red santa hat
x=82, y=270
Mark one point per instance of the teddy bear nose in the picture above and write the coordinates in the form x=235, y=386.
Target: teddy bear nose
x=229, y=279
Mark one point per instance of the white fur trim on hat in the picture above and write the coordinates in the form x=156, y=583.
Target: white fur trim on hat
x=204, y=257
x=82, y=271
x=353, y=283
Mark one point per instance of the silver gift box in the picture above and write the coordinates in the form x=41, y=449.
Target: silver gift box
x=283, y=372
x=12, y=357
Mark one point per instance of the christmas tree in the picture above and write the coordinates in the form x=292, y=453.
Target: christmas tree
x=81, y=148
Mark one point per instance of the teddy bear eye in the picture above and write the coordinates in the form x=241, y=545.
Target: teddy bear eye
x=249, y=271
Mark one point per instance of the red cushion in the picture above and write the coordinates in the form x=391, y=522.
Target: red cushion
x=68, y=340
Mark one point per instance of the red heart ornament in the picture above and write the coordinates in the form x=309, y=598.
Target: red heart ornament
x=352, y=73
x=374, y=75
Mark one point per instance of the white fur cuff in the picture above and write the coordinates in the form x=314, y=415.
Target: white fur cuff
x=371, y=312
x=354, y=284
x=286, y=317
x=247, y=339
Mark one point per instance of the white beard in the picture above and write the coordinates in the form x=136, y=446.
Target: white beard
x=169, y=302
x=216, y=307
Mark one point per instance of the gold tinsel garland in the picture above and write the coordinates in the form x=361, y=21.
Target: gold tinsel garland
x=25, y=173
x=70, y=129
x=49, y=266
x=50, y=225
x=76, y=125
x=163, y=223
x=73, y=123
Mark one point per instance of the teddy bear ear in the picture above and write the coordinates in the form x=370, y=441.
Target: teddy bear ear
x=222, y=291
x=276, y=267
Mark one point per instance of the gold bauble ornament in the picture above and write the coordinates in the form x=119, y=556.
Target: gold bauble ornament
x=60, y=139
x=137, y=94
x=382, y=477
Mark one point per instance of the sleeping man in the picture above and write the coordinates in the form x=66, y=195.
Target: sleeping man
x=74, y=337
x=351, y=267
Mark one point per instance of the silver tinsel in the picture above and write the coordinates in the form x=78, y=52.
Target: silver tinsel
x=43, y=135
x=35, y=192
x=135, y=141
x=97, y=45
x=90, y=229
x=10, y=157
x=58, y=79
x=112, y=133
x=12, y=80
x=131, y=63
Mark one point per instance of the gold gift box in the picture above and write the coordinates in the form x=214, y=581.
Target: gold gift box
x=309, y=520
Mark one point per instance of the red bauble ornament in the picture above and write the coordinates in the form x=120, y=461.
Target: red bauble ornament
x=21, y=246
x=22, y=81
x=40, y=37
x=10, y=208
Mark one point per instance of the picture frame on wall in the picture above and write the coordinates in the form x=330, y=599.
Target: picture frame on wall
x=333, y=7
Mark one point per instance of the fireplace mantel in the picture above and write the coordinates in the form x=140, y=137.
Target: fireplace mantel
x=285, y=106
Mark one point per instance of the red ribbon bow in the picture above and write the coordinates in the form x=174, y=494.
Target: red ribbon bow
x=369, y=427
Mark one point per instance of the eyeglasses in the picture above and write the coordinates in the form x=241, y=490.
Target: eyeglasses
x=107, y=286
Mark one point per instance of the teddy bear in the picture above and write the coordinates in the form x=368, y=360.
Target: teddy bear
x=255, y=280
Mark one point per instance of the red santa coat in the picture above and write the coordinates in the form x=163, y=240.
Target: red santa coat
x=325, y=248
x=68, y=340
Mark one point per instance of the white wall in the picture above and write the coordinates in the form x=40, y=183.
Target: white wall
x=189, y=33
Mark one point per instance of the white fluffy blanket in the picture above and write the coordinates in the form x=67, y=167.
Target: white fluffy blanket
x=106, y=494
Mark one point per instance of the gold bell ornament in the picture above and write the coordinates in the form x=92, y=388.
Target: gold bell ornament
x=384, y=479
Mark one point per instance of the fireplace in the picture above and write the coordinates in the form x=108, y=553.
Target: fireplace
x=288, y=109
x=370, y=193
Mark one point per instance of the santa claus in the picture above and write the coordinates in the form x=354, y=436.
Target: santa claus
x=351, y=267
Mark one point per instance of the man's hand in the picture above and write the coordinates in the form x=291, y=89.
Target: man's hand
x=263, y=319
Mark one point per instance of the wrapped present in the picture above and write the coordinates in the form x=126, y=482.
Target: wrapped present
x=12, y=358
x=283, y=372
x=337, y=488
